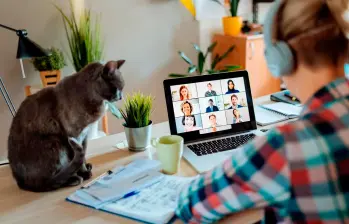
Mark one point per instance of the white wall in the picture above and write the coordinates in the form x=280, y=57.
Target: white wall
x=146, y=33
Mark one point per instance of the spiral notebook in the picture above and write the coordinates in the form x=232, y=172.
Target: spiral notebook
x=276, y=112
x=152, y=200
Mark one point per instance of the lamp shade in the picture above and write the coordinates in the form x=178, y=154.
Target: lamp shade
x=29, y=49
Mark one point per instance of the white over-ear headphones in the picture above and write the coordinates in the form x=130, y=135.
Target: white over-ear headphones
x=279, y=57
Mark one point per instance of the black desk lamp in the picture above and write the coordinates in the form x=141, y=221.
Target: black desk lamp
x=26, y=49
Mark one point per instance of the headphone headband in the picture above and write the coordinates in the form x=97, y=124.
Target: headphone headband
x=278, y=54
x=269, y=22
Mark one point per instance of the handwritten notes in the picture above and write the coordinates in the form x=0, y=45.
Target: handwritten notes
x=159, y=199
x=137, y=190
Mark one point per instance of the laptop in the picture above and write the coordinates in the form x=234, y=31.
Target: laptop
x=213, y=113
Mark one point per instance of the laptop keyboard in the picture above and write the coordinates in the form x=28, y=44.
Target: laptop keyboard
x=220, y=145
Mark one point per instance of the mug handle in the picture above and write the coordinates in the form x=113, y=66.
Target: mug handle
x=154, y=142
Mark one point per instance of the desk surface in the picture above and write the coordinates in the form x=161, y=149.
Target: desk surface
x=17, y=206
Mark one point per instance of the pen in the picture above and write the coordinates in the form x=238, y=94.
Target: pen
x=293, y=98
x=130, y=194
x=93, y=181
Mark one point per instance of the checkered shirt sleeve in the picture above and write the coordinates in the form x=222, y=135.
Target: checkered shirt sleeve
x=255, y=176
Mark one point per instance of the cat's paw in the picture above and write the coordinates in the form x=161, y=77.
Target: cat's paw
x=74, y=181
x=85, y=175
x=88, y=166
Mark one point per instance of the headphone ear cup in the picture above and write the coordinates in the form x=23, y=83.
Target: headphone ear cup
x=279, y=59
x=286, y=59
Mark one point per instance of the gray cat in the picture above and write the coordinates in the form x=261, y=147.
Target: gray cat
x=47, y=139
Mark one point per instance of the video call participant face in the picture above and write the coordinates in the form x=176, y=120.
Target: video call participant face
x=213, y=120
x=209, y=86
x=187, y=108
x=184, y=93
x=231, y=85
x=210, y=102
x=189, y=121
x=236, y=113
x=234, y=100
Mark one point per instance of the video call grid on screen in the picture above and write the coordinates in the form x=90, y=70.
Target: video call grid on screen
x=198, y=106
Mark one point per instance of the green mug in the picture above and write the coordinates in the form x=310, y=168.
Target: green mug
x=169, y=150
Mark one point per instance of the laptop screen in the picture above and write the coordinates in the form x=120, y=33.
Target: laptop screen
x=210, y=105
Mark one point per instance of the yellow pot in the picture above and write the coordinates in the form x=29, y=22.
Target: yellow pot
x=232, y=25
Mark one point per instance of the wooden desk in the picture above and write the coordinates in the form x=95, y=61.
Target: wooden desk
x=17, y=206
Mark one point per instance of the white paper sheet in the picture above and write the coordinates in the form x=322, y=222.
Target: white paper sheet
x=156, y=202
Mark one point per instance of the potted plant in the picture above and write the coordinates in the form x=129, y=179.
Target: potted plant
x=85, y=44
x=138, y=125
x=232, y=24
x=199, y=68
x=50, y=66
x=84, y=37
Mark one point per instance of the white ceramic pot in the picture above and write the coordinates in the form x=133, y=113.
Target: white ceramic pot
x=94, y=131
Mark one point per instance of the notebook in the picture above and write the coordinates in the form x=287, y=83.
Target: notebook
x=150, y=201
x=276, y=112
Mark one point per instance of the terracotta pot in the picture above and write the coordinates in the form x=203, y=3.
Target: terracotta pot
x=232, y=25
x=50, y=78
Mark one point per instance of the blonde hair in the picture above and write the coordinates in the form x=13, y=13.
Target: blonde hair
x=316, y=30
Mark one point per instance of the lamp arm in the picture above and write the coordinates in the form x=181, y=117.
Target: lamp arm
x=9, y=28
x=22, y=33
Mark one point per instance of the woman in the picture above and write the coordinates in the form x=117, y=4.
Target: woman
x=299, y=170
x=231, y=87
x=189, y=123
x=187, y=108
x=184, y=93
x=237, y=117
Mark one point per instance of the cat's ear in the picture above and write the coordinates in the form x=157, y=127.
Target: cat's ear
x=111, y=66
x=120, y=63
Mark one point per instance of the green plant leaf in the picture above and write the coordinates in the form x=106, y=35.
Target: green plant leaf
x=212, y=47
x=234, y=4
x=210, y=71
x=174, y=75
x=185, y=58
x=114, y=110
x=54, y=61
x=215, y=62
x=201, y=62
x=137, y=110
x=217, y=1
x=197, y=48
x=192, y=69
x=226, y=54
x=84, y=37
x=232, y=67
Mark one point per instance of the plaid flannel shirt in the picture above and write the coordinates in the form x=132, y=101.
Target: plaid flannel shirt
x=299, y=170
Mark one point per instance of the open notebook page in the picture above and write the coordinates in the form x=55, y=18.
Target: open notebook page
x=267, y=117
x=154, y=204
x=284, y=108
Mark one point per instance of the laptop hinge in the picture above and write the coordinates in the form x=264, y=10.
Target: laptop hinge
x=215, y=137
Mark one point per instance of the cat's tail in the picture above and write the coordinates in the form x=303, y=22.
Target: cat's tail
x=61, y=178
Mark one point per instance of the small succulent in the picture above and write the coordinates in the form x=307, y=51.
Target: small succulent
x=138, y=108
x=55, y=61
